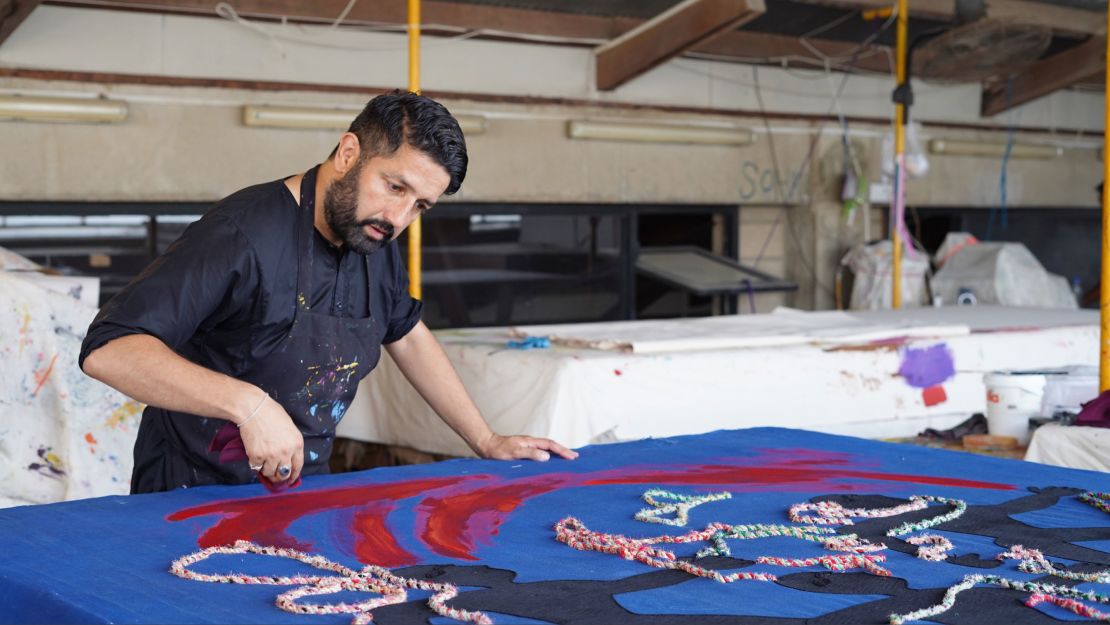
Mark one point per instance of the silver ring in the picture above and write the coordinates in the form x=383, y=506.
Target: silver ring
x=284, y=470
x=256, y=467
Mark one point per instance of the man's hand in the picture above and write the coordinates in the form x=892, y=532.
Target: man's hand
x=499, y=447
x=272, y=440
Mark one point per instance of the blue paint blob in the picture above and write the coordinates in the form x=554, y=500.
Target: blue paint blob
x=313, y=455
x=312, y=410
x=337, y=410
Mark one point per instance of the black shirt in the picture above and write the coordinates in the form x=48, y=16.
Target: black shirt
x=225, y=292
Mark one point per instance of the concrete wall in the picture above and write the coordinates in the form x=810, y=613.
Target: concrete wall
x=187, y=143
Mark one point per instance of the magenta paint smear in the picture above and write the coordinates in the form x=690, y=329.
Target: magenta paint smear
x=928, y=366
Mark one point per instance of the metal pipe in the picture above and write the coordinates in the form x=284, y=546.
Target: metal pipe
x=1104, y=304
x=415, y=233
x=898, y=203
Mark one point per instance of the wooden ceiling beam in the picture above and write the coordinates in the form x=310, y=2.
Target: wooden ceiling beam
x=665, y=36
x=500, y=21
x=1058, y=71
x=433, y=13
x=12, y=14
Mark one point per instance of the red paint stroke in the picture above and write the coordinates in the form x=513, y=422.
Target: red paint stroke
x=374, y=541
x=787, y=456
x=455, y=525
x=41, y=377
x=264, y=520
x=934, y=395
x=617, y=371
x=763, y=475
x=89, y=438
x=457, y=515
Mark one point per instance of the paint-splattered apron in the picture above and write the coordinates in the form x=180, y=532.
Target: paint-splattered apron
x=313, y=373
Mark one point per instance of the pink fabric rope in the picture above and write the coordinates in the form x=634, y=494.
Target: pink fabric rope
x=376, y=579
x=1078, y=607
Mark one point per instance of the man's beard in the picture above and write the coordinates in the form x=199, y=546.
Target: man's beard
x=341, y=215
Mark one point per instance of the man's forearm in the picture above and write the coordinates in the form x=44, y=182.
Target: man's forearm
x=422, y=360
x=144, y=368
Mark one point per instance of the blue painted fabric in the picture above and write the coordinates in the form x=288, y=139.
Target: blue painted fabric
x=488, y=527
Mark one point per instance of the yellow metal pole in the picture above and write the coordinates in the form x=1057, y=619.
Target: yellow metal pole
x=898, y=201
x=415, y=238
x=1104, y=296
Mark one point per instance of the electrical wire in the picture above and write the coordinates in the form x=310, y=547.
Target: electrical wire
x=306, y=37
x=343, y=14
x=782, y=191
x=1002, y=191
x=735, y=81
x=813, y=143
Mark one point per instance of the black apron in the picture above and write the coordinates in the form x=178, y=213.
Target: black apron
x=313, y=373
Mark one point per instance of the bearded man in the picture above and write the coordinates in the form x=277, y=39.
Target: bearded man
x=248, y=337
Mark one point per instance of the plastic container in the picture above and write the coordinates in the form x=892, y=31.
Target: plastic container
x=1013, y=397
x=1068, y=390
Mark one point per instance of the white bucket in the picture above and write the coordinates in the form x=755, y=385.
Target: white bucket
x=1013, y=398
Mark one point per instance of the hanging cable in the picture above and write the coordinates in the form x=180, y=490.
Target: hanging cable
x=835, y=105
x=1002, y=192
x=343, y=14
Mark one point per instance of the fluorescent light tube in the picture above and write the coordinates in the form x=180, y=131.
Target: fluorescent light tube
x=658, y=133
x=993, y=150
x=39, y=109
x=329, y=119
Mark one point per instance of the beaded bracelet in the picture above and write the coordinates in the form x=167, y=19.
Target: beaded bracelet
x=376, y=579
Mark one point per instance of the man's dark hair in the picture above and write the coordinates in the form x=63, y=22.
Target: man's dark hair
x=418, y=121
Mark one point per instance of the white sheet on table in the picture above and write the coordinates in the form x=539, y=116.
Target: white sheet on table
x=1071, y=446
x=781, y=328
x=581, y=396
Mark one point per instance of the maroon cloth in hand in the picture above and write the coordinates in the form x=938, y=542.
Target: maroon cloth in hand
x=1096, y=413
x=230, y=445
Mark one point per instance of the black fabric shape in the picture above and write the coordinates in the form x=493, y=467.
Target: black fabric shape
x=594, y=602
x=993, y=521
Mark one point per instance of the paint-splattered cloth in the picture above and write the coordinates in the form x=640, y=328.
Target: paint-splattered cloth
x=63, y=435
x=491, y=528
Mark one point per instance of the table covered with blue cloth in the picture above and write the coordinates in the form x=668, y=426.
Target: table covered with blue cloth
x=879, y=533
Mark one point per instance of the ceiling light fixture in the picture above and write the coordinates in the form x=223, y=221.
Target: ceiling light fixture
x=42, y=109
x=308, y=118
x=658, y=133
x=994, y=150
